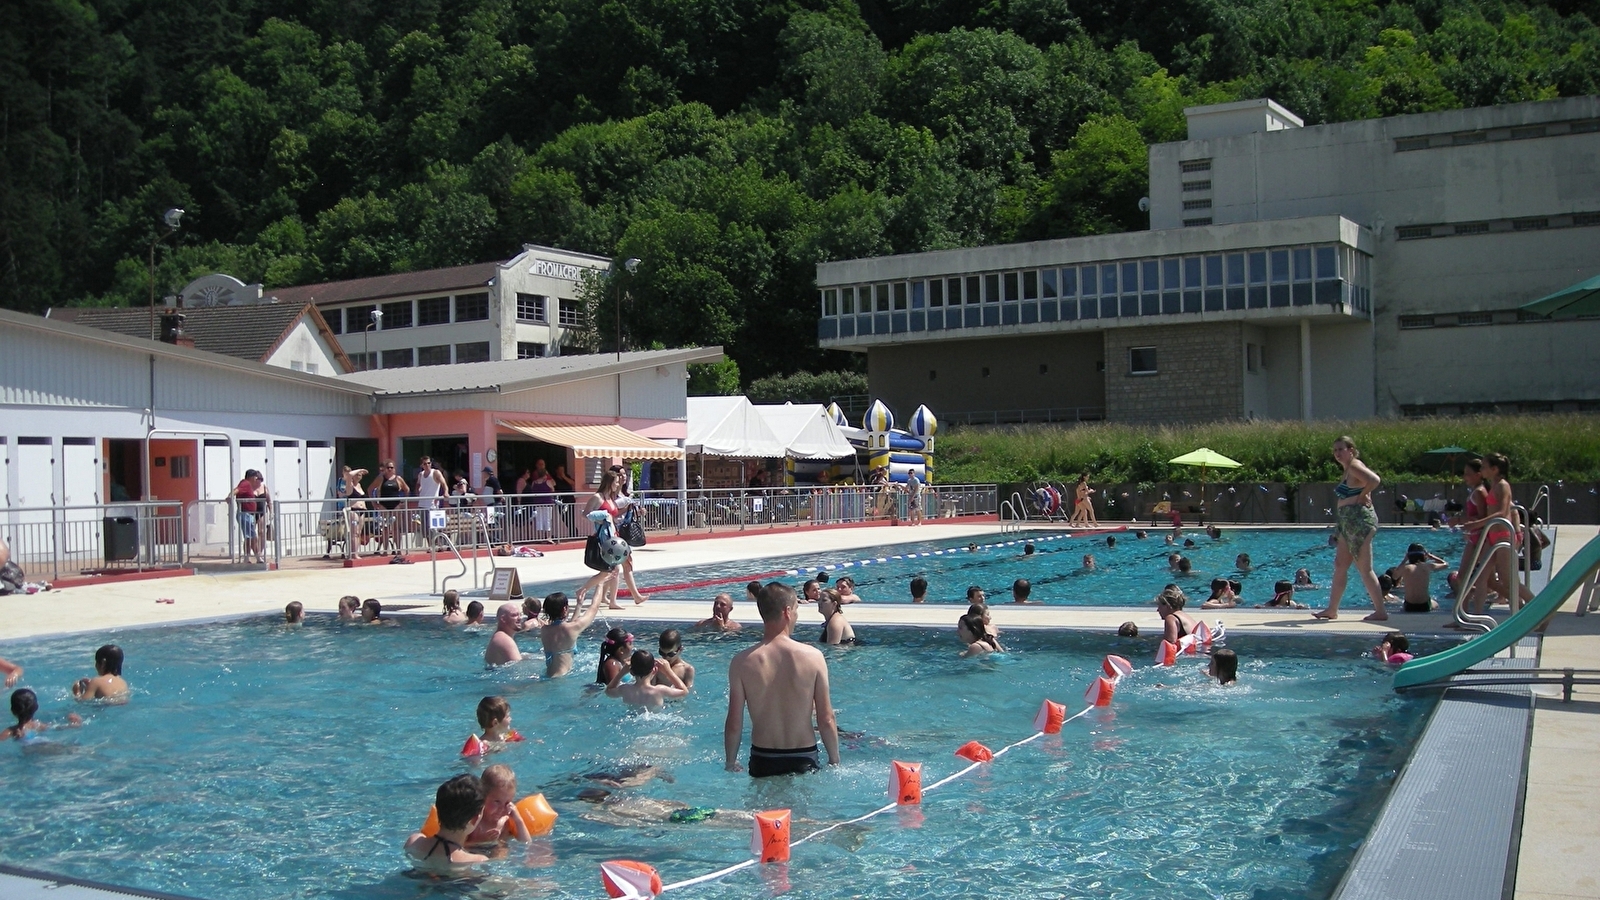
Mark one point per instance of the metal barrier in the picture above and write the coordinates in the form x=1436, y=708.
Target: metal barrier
x=48, y=542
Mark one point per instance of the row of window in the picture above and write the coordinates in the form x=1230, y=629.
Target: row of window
x=1530, y=223
x=535, y=308
x=409, y=313
x=1519, y=133
x=435, y=355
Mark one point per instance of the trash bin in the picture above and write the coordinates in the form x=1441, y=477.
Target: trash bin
x=121, y=535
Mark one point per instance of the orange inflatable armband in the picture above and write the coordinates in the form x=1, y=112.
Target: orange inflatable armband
x=536, y=814
x=975, y=751
x=769, y=839
x=906, y=783
x=1051, y=715
x=430, y=826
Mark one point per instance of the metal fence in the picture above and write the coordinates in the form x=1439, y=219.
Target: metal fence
x=49, y=542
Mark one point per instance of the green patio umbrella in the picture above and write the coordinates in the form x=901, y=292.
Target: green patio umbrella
x=1449, y=453
x=1205, y=458
x=1581, y=299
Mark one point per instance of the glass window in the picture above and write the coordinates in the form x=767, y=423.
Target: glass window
x=362, y=362
x=1151, y=271
x=1235, y=269
x=358, y=318
x=974, y=289
x=1089, y=308
x=830, y=302
x=472, y=307
x=397, y=359
x=1069, y=282
x=1108, y=279
x=880, y=297
x=433, y=311
x=396, y=315
x=529, y=350
x=936, y=292
x=1130, y=278
x=1047, y=282
x=1141, y=360
x=1191, y=272
x=1169, y=274
x=477, y=351
x=335, y=320
x=1280, y=266
x=1213, y=271
x=1302, y=264
x=1089, y=283
x=952, y=292
x=899, y=295
x=1327, y=263
x=530, y=307
x=434, y=356
x=918, y=298
x=1011, y=287
x=991, y=288
x=569, y=314
x=1258, y=267
x=847, y=301
x=1030, y=285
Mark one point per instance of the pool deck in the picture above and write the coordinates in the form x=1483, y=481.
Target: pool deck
x=1556, y=860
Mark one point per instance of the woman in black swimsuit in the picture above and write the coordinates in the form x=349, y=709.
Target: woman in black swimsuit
x=1175, y=622
x=389, y=488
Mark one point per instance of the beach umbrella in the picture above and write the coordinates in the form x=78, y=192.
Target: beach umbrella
x=1581, y=299
x=1449, y=453
x=1205, y=458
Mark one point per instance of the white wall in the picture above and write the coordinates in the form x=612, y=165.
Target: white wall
x=1341, y=371
x=305, y=350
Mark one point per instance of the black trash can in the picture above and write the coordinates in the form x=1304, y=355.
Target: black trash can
x=121, y=538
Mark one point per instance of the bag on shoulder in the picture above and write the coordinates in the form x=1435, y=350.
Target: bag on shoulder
x=591, y=554
x=631, y=530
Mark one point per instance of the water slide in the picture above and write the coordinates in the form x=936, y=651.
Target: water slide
x=1572, y=577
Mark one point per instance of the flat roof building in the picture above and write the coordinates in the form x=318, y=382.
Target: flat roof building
x=1335, y=271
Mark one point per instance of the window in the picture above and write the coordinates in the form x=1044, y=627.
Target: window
x=476, y=351
x=953, y=292
x=1416, y=321
x=569, y=314
x=472, y=307
x=1252, y=357
x=830, y=302
x=1011, y=294
x=358, y=318
x=880, y=297
x=1044, y=368
x=1481, y=318
x=180, y=467
x=1194, y=223
x=1196, y=204
x=361, y=362
x=1471, y=137
x=438, y=355
x=847, y=301
x=1580, y=220
x=1412, y=232
x=991, y=288
x=1327, y=264
x=918, y=295
x=296, y=365
x=1474, y=228
x=311, y=368
x=433, y=311
x=936, y=292
x=530, y=307
x=529, y=350
x=1195, y=165
x=1302, y=264
x=396, y=315
x=1529, y=224
x=974, y=289
x=1030, y=286
x=1189, y=186
x=335, y=320
x=397, y=359
x=933, y=374
x=1047, y=281
x=1416, y=143
x=1141, y=360
x=899, y=296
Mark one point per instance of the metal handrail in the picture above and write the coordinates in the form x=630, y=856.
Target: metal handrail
x=1542, y=495
x=1476, y=565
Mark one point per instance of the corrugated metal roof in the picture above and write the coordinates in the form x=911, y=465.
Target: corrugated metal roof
x=519, y=374
x=403, y=284
x=247, y=332
x=591, y=441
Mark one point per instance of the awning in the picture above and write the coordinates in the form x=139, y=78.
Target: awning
x=596, y=441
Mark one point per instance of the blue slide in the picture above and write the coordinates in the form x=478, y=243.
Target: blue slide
x=1458, y=659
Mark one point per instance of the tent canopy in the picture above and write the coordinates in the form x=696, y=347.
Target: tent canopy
x=596, y=441
x=806, y=431
x=730, y=426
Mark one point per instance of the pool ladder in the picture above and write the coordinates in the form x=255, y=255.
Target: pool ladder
x=1013, y=514
x=1478, y=566
x=440, y=536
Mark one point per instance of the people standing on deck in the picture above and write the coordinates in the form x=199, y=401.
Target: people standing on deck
x=621, y=502
x=431, y=485
x=1355, y=524
x=1082, y=505
x=1474, y=511
x=389, y=488
x=604, y=581
x=253, y=502
x=1501, y=505
x=353, y=506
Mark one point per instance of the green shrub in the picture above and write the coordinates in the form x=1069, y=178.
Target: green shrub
x=804, y=387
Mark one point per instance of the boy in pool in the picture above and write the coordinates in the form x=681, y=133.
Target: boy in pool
x=107, y=684
x=1128, y=629
x=1242, y=562
x=25, y=705
x=1416, y=575
x=644, y=690
x=670, y=645
x=497, y=824
x=919, y=590
x=459, y=803
x=1394, y=649
x=494, y=717
x=1224, y=667
x=474, y=613
x=294, y=613
x=1088, y=562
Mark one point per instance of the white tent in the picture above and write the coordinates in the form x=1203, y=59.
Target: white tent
x=730, y=426
x=806, y=430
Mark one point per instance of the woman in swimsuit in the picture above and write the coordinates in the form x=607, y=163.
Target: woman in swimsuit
x=1355, y=523
x=620, y=502
x=616, y=652
x=559, y=636
x=1500, y=504
x=605, y=582
x=1475, y=509
x=1175, y=623
x=1082, y=509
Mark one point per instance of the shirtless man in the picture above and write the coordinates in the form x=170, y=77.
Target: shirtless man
x=502, y=647
x=721, y=610
x=107, y=683
x=782, y=682
x=1416, y=575
x=645, y=689
x=560, y=637
x=835, y=628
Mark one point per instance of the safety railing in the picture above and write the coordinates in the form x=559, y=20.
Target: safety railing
x=49, y=542
x=1477, y=568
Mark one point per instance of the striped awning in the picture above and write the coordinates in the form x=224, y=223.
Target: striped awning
x=596, y=441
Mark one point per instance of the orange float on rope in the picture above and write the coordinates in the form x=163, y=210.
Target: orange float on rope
x=473, y=746
x=1051, y=715
x=905, y=782
x=630, y=880
x=1167, y=654
x=975, y=751
x=1116, y=667
x=536, y=814
x=769, y=839
x=1202, y=635
x=1099, y=692
x=430, y=826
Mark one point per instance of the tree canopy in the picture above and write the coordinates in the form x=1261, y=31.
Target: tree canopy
x=729, y=145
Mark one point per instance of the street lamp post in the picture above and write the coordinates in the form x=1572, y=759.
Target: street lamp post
x=632, y=265
x=366, y=336
x=170, y=218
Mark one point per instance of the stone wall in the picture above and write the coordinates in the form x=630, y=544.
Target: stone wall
x=1199, y=374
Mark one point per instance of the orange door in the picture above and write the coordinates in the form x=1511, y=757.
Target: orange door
x=172, y=471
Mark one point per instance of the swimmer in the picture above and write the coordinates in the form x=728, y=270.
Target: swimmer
x=459, y=804
x=751, y=589
x=1283, y=597
x=12, y=671
x=1088, y=562
x=809, y=591
x=25, y=705
x=822, y=578
x=627, y=776
x=1171, y=539
x=1302, y=580
x=474, y=613
x=349, y=608
x=670, y=646
x=294, y=613
x=847, y=590
x=1173, y=559
x=497, y=825
x=1020, y=589
x=784, y=684
x=1027, y=549
x=372, y=613
x=1214, y=532
x=502, y=647
x=721, y=616
x=452, y=608
x=1128, y=629
x=1188, y=543
x=644, y=690
x=1386, y=588
x=1111, y=540
x=1222, y=595
x=1224, y=667
x=614, y=656
x=559, y=636
x=1394, y=649
x=980, y=614
x=1242, y=562
x=1185, y=567
x=982, y=644
x=494, y=717
x=1141, y=534
x=1169, y=606
x=976, y=595
x=107, y=684
x=919, y=590
x=835, y=628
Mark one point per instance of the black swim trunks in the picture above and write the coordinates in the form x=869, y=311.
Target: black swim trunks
x=765, y=762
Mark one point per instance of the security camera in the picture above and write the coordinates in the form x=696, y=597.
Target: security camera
x=1144, y=204
x=172, y=216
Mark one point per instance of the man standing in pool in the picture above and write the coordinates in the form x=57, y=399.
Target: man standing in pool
x=502, y=647
x=781, y=681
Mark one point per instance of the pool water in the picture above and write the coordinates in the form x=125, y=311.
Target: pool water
x=1129, y=574
x=258, y=761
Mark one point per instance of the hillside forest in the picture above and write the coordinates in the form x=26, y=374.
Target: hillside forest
x=729, y=144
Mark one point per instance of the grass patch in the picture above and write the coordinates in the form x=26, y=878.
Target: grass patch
x=1541, y=448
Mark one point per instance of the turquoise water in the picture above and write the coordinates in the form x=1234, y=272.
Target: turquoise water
x=256, y=761
x=1129, y=574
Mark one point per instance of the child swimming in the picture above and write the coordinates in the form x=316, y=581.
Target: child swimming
x=474, y=613
x=25, y=705
x=452, y=608
x=107, y=684
x=294, y=613
x=494, y=717
x=1224, y=667
x=497, y=824
x=1394, y=649
x=349, y=608
x=459, y=803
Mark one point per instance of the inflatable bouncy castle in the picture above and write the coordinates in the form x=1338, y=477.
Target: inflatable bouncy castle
x=881, y=445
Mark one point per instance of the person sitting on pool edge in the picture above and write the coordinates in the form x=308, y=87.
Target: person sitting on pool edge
x=294, y=613
x=1416, y=575
x=107, y=683
x=919, y=590
x=721, y=616
x=783, y=739
x=1020, y=589
x=645, y=690
x=1283, y=597
x=670, y=646
x=835, y=627
x=1224, y=667
x=459, y=803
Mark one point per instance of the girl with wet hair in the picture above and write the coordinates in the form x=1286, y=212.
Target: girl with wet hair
x=615, y=657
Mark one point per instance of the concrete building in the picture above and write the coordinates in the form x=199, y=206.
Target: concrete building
x=524, y=307
x=1336, y=271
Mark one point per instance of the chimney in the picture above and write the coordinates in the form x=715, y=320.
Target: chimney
x=172, y=330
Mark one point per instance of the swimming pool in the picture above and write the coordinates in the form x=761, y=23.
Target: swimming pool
x=256, y=761
x=1129, y=574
